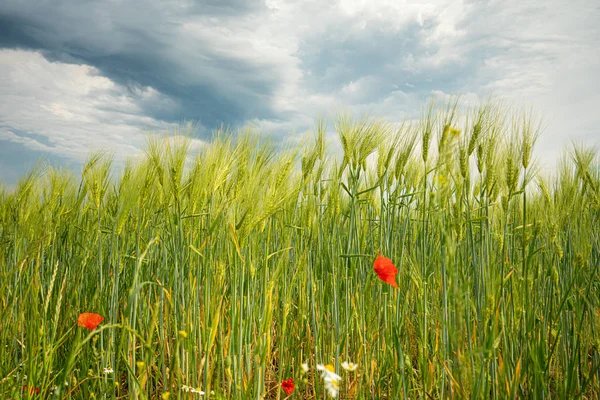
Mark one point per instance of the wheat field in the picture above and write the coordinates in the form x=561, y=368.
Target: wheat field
x=223, y=274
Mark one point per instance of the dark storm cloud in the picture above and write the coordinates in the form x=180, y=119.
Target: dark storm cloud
x=225, y=7
x=139, y=45
x=277, y=64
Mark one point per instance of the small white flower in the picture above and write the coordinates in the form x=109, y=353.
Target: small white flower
x=349, y=366
x=327, y=371
x=331, y=379
x=191, y=389
x=333, y=387
x=108, y=370
x=197, y=391
x=305, y=367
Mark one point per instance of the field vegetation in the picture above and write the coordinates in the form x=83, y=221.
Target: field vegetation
x=224, y=273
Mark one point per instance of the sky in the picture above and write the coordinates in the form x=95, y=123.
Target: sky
x=79, y=75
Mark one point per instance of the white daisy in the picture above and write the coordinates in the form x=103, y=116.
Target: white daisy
x=349, y=366
x=333, y=387
x=191, y=389
x=331, y=379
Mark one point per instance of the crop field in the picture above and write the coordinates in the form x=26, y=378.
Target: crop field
x=433, y=259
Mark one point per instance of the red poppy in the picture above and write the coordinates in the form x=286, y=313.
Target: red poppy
x=89, y=320
x=32, y=389
x=288, y=386
x=386, y=270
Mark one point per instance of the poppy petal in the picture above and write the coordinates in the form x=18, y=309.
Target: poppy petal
x=288, y=386
x=89, y=320
x=386, y=270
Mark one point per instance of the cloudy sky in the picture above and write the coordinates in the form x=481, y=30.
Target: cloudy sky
x=77, y=75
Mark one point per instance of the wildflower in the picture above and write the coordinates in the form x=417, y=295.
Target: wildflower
x=349, y=366
x=305, y=367
x=108, y=370
x=332, y=386
x=183, y=334
x=165, y=396
x=288, y=386
x=327, y=371
x=331, y=379
x=89, y=320
x=454, y=132
x=32, y=390
x=197, y=391
x=191, y=389
x=386, y=270
x=449, y=130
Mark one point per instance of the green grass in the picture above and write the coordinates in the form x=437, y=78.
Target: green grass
x=229, y=272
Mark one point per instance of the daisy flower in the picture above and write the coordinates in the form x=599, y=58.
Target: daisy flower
x=191, y=389
x=197, y=391
x=349, y=366
x=331, y=379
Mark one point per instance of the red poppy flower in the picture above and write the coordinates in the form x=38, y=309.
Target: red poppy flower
x=386, y=270
x=32, y=389
x=89, y=320
x=288, y=386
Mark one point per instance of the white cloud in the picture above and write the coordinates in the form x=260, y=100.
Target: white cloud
x=28, y=142
x=544, y=55
x=68, y=110
x=378, y=57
